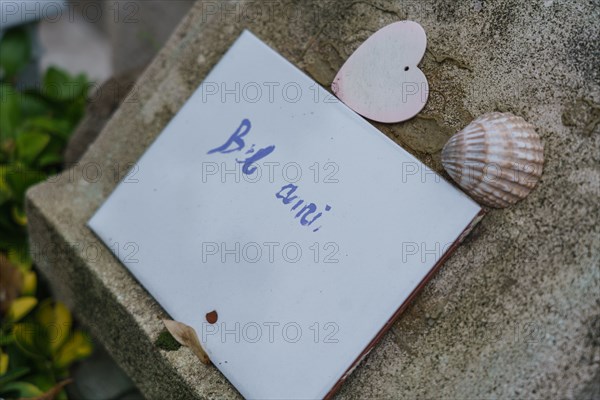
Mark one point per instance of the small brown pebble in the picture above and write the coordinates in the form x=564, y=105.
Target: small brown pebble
x=212, y=317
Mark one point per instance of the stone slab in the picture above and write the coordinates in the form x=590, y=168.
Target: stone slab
x=514, y=313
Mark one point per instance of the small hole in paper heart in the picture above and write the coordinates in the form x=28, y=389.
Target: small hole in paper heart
x=406, y=68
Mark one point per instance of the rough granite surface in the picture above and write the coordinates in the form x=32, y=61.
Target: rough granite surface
x=514, y=313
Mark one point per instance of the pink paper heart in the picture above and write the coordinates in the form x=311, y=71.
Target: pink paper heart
x=380, y=80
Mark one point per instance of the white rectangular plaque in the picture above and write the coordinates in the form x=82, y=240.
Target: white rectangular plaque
x=270, y=202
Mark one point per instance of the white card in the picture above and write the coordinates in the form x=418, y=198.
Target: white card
x=268, y=201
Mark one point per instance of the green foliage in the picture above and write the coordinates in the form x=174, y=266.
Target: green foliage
x=15, y=49
x=37, y=340
x=35, y=125
x=22, y=389
x=166, y=341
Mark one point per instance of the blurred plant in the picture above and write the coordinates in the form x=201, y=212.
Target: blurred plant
x=37, y=342
x=35, y=124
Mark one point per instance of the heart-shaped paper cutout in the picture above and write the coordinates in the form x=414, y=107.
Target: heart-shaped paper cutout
x=381, y=80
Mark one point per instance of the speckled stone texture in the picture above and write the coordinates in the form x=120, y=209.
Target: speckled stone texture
x=514, y=313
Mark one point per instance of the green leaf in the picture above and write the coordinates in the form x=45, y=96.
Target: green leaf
x=51, y=389
x=62, y=395
x=4, y=170
x=10, y=113
x=3, y=363
x=19, y=179
x=43, y=381
x=5, y=196
x=6, y=338
x=30, y=145
x=19, y=215
x=21, y=307
x=60, y=86
x=20, y=258
x=33, y=106
x=32, y=340
x=21, y=389
x=77, y=347
x=55, y=126
x=29, y=283
x=17, y=358
x=50, y=159
x=56, y=319
x=15, y=48
x=76, y=109
x=13, y=375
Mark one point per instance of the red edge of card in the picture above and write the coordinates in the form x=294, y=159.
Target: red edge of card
x=405, y=305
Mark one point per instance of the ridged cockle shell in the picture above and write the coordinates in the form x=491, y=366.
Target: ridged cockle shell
x=497, y=159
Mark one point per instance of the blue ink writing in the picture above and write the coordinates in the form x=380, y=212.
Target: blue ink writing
x=262, y=153
x=286, y=193
x=236, y=143
x=236, y=138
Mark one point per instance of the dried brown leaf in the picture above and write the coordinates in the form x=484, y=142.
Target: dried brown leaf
x=186, y=336
x=53, y=392
x=11, y=280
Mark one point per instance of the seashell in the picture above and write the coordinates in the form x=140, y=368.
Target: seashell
x=497, y=159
